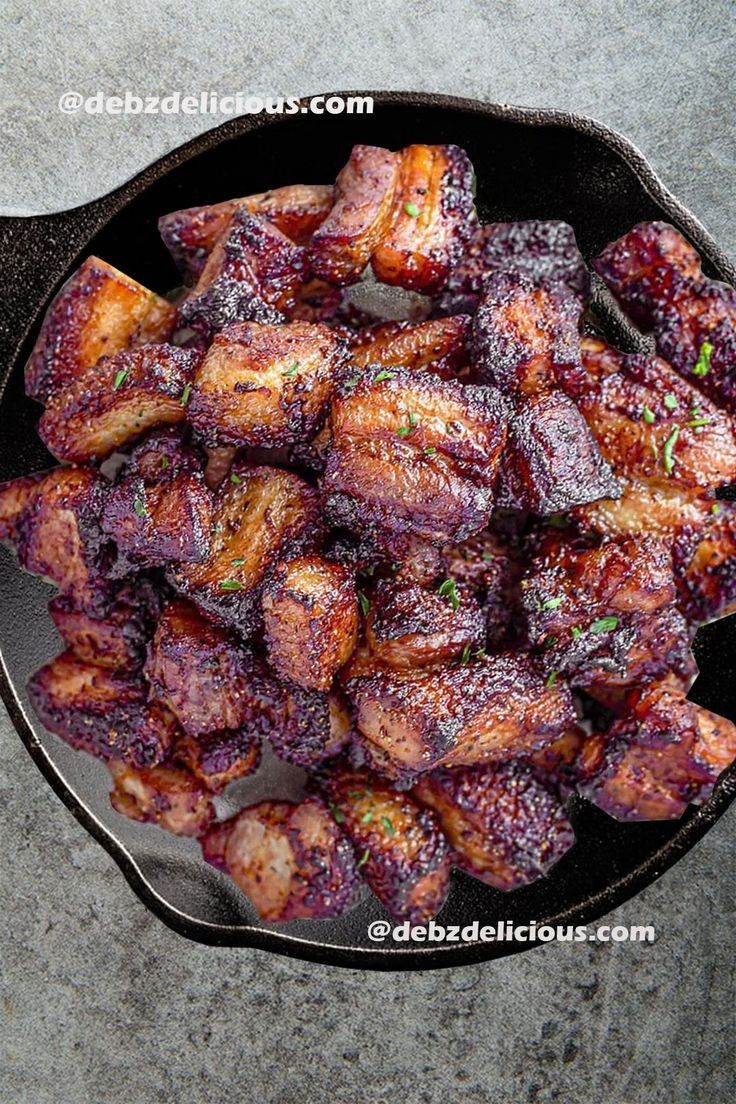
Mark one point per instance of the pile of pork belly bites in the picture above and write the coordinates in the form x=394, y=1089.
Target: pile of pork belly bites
x=451, y=566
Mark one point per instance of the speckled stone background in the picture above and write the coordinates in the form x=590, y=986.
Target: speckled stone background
x=99, y=1001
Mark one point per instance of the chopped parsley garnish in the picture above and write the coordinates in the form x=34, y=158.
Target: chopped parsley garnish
x=670, y=401
x=702, y=364
x=448, y=590
x=120, y=378
x=648, y=415
x=185, y=395
x=231, y=584
x=364, y=858
x=337, y=816
x=486, y=557
x=237, y=563
x=292, y=371
x=430, y=450
x=551, y=679
x=350, y=384
x=697, y=423
x=466, y=653
x=405, y=430
x=365, y=602
x=668, y=458
x=234, y=478
x=550, y=641
x=388, y=825
x=604, y=625
x=576, y=631
x=139, y=506
x=412, y=210
x=715, y=508
x=384, y=374
x=551, y=604
x=367, y=817
x=164, y=463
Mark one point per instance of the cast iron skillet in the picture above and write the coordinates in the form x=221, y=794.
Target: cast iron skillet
x=529, y=164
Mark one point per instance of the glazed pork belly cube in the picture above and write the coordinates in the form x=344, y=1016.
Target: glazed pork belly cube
x=15, y=497
x=117, y=639
x=265, y=386
x=492, y=567
x=219, y=758
x=98, y=312
x=432, y=216
x=552, y=461
x=665, y=754
x=296, y=210
x=400, y=849
x=704, y=565
x=409, y=626
x=103, y=712
x=57, y=532
x=310, y=613
x=525, y=338
x=314, y=727
x=167, y=795
x=546, y=253
x=117, y=399
x=439, y=345
x=261, y=515
x=413, y=455
x=494, y=707
x=292, y=861
x=252, y=274
x=160, y=510
x=208, y=679
x=504, y=825
x=644, y=268
x=364, y=198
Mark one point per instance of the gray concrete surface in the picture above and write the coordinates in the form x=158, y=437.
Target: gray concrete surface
x=100, y=1002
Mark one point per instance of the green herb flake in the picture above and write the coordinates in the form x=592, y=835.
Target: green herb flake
x=448, y=589
x=367, y=817
x=604, y=625
x=698, y=423
x=140, y=507
x=551, y=679
x=702, y=364
x=486, y=557
x=388, y=825
x=231, y=584
x=237, y=563
x=120, y=378
x=337, y=816
x=185, y=395
x=363, y=858
x=551, y=604
x=164, y=463
x=384, y=374
x=234, y=478
x=576, y=631
x=648, y=415
x=365, y=602
x=412, y=210
x=465, y=654
x=351, y=383
x=430, y=450
x=550, y=641
x=715, y=508
x=670, y=401
x=668, y=458
x=292, y=371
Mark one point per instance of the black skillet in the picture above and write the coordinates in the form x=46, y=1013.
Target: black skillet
x=529, y=164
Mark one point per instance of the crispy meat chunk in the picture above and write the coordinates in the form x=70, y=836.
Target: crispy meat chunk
x=292, y=861
x=552, y=461
x=525, y=337
x=364, y=196
x=496, y=707
x=265, y=385
x=401, y=851
x=218, y=758
x=58, y=535
x=252, y=274
x=314, y=727
x=504, y=826
x=117, y=639
x=704, y=565
x=439, y=345
x=101, y=711
x=492, y=567
x=262, y=515
x=546, y=253
x=118, y=398
x=98, y=312
x=666, y=754
x=296, y=210
x=15, y=497
x=411, y=626
x=165, y=795
x=642, y=268
x=431, y=219
x=413, y=454
x=311, y=620
x=208, y=680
